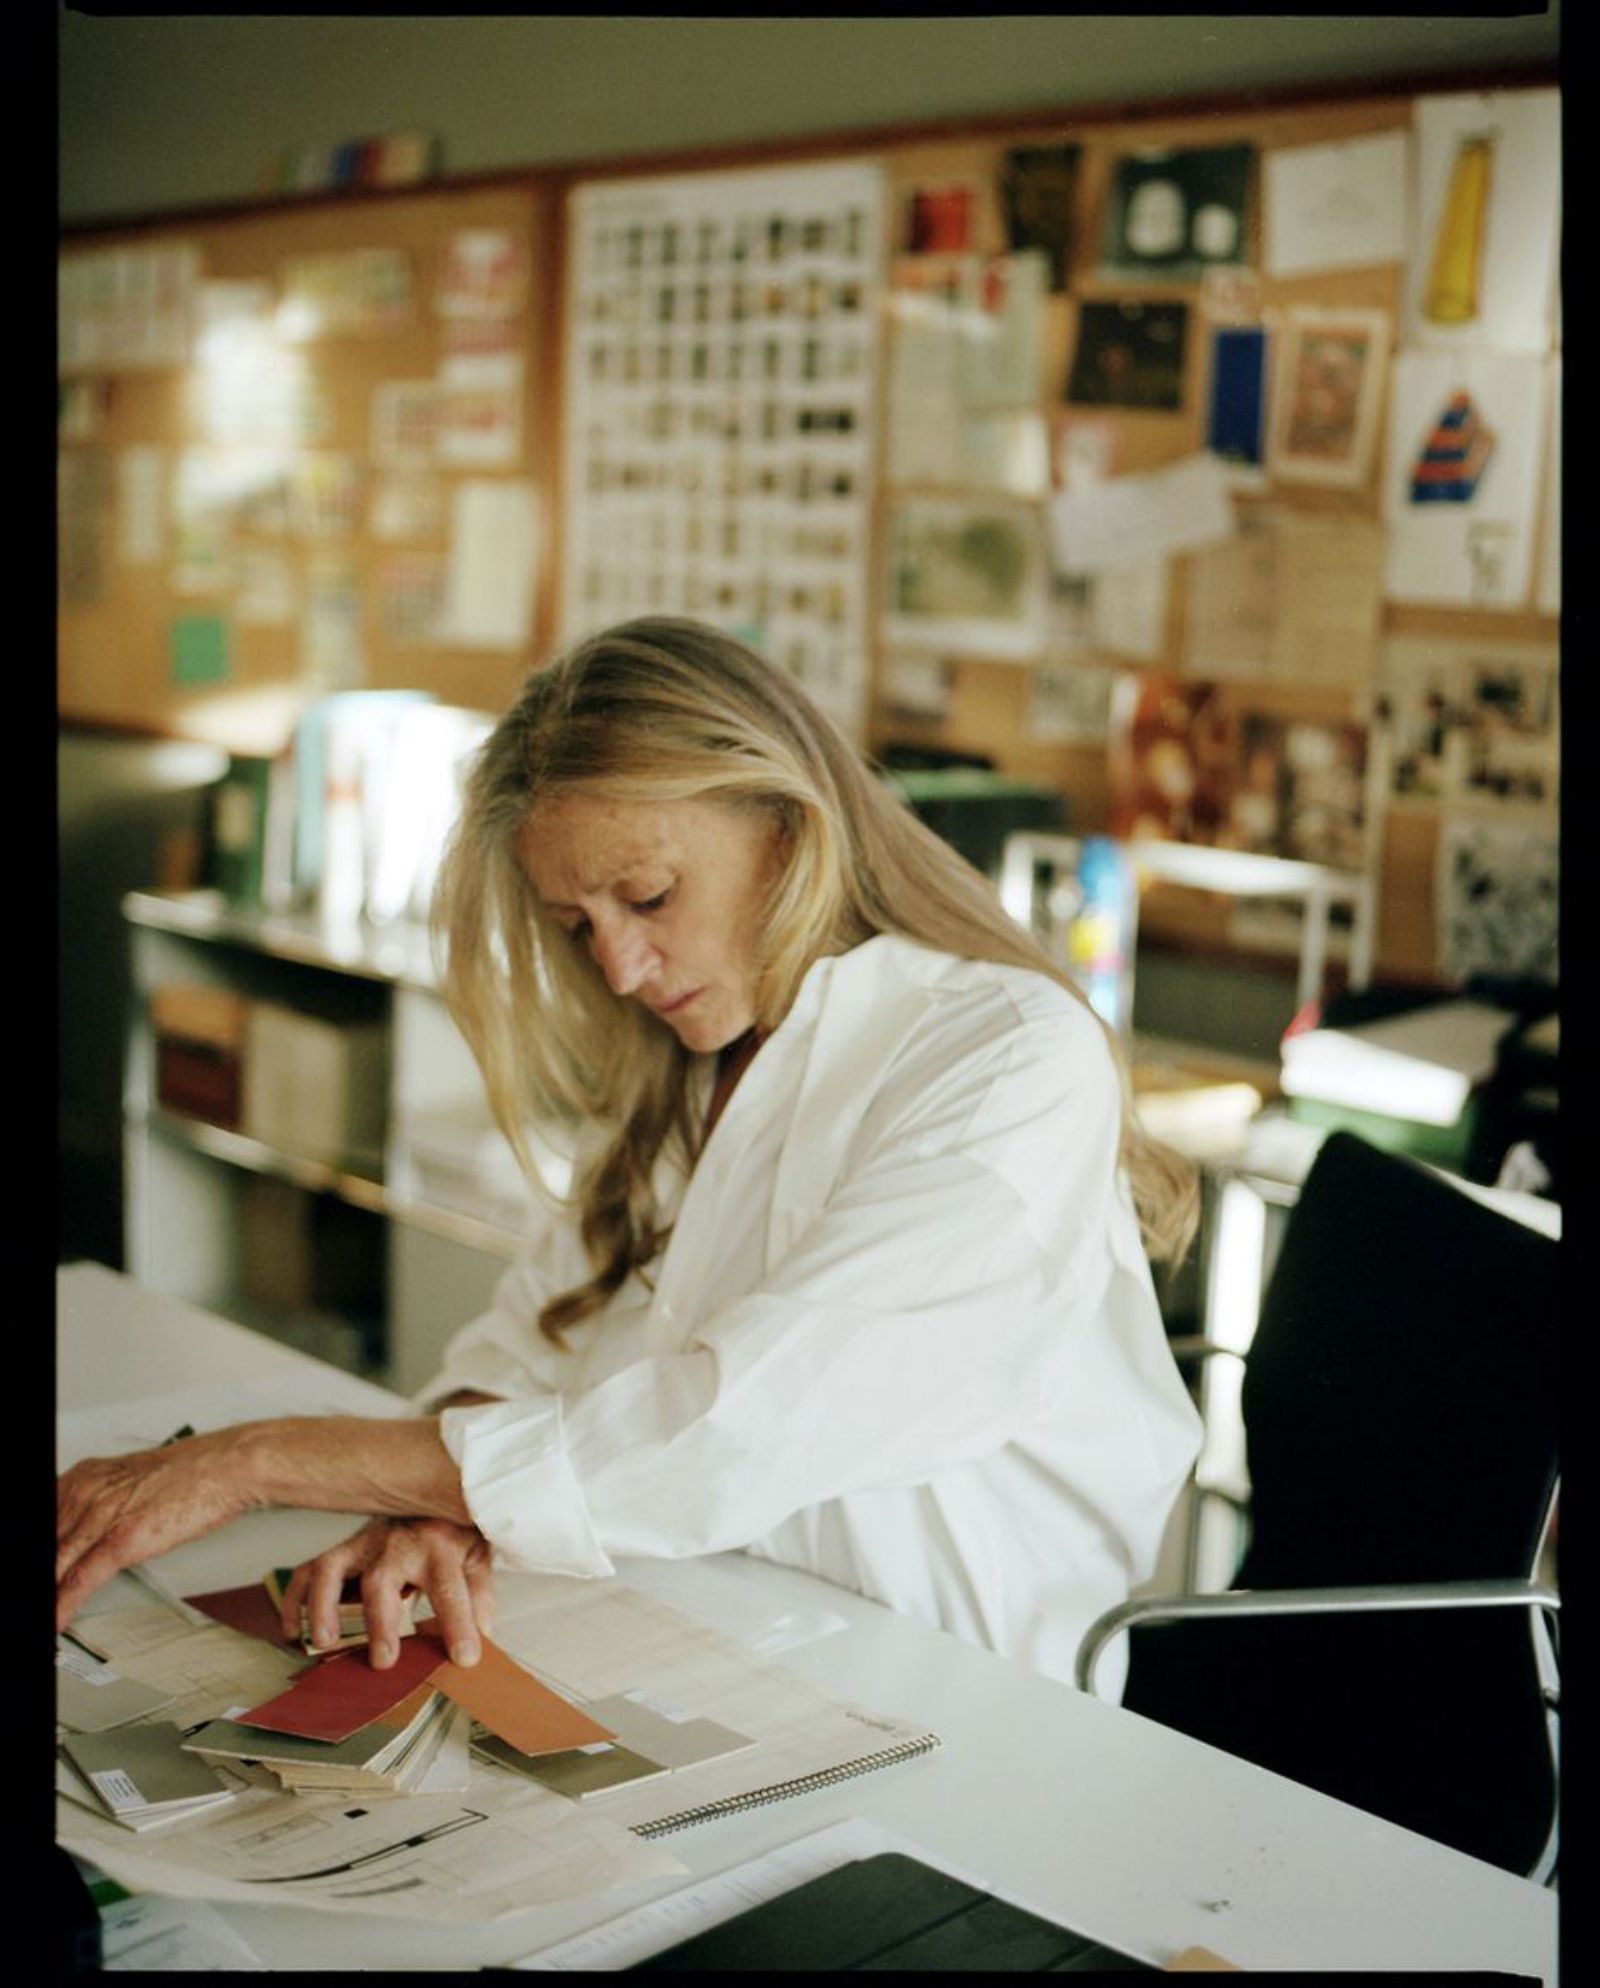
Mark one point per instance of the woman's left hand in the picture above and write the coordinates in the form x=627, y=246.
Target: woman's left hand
x=113, y=1512
x=446, y=1561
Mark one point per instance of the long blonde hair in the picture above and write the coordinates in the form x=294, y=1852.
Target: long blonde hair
x=659, y=710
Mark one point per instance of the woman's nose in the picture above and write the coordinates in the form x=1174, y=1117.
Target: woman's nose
x=624, y=956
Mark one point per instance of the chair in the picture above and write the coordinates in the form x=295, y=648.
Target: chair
x=1386, y=1639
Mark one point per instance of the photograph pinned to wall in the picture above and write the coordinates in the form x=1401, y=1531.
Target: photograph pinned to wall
x=1462, y=476
x=1129, y=355
x=1038, y=202
x=1171, y=766
x=1236, y=407
x=482, y=274
x=480, y=417
x=1419, y=714
x=1171, y=215
x=406, y=419
x=1496, y=893
x=1337, y=206
x=941, y=218
x=346, y=293
x=966, y=578
x=1487, y=224
x=1328, y=396
x=1069, y=704
x=1471, y=720
x=1300, y=790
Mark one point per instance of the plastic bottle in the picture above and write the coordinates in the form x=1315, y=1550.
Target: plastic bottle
x=1101, y=942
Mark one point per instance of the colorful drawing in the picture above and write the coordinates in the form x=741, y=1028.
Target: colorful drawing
x=1454, y=279
x=1455, y=455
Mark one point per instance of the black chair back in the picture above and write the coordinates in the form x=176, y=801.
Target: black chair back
x=1401, y=1426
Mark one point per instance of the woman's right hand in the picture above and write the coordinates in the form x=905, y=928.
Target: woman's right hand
x=448, y=1562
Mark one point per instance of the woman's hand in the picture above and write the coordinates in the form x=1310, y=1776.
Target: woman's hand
x=113, y=1512
x=447, y=1561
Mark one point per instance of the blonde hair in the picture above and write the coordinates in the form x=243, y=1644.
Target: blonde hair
x=662, y=710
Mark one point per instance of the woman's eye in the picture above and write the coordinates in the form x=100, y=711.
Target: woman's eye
x=653, y=903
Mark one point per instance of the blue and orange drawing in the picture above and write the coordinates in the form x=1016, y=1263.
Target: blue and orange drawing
x=1453, y=459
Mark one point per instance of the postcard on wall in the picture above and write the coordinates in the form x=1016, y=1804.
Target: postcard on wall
x=1462, y=475
x=1496, y=895
x=126, y=309
x=325, y=494
x=406, y=417
x=1086, y=450
x=1009, y=453
x=199, y=649
x=1231, y=294
x=1337, y=206
x=483, y=274
x=1069, y=703
x=331, y=652
x=967, y=578
x=1038, y=199
x=1171, y=215
x=1000, y=356
x=1129, y=518
x=1171, y=767
x=1236, y=431
x=409, y=588
x=1329, y=390
x=480, y=416
x=202, y=498
x=940, y=218
x=1419, y=714
x=1129, y=355
x=1487, y=228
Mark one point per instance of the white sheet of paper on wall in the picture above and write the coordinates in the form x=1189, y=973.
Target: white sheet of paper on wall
x=1339, y=206
x=493, y=564
x=1462, y=476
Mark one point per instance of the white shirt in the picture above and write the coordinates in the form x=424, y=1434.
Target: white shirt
x=904, y=1334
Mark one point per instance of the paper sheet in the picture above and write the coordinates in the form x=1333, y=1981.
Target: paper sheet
x=1340, y=206
x=1129, y=518
x=493, y=549
x=151, y=1935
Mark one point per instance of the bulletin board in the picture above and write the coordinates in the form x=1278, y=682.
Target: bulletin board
x=305, y=448
x=1090, y=443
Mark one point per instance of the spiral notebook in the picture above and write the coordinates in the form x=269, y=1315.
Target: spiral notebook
x=600, y=1641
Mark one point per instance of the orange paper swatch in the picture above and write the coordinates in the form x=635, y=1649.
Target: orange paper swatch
x=512, y=1703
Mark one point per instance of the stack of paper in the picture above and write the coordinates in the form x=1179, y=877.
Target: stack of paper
x=389, y=1755
x=1422, y=1065
x=140, y=1775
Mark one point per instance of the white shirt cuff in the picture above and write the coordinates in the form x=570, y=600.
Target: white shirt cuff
x=520, y=1487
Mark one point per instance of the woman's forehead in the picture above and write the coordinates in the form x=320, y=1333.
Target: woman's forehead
x=582, y=843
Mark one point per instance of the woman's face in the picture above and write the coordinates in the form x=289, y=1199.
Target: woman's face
x=666, y=897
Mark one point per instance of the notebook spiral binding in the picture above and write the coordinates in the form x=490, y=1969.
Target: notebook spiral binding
x=802, y=1784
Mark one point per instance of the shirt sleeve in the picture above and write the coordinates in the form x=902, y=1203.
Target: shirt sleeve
x=926, y=1315
x=502, y=1351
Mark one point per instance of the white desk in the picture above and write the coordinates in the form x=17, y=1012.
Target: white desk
x=1085, y=1812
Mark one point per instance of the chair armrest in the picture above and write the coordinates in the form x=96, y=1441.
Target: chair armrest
x=1237, y=1602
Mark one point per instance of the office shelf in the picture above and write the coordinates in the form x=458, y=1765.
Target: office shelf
x=227, y=1220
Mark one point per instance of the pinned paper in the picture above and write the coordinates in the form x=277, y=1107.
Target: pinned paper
x=489, y=592
x=1340, y=206
x=1130, y=518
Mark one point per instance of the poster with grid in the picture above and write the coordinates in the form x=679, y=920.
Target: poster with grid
x=721, y=387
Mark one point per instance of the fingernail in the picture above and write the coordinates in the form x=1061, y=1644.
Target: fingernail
x=382, y=1655
x=465, y=1653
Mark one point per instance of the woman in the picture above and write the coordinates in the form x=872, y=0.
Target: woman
x=855, y=1274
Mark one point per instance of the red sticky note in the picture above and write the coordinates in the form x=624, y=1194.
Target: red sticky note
x=339, y=1695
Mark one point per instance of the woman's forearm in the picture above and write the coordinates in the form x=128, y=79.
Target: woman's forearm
x=348, y=1463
